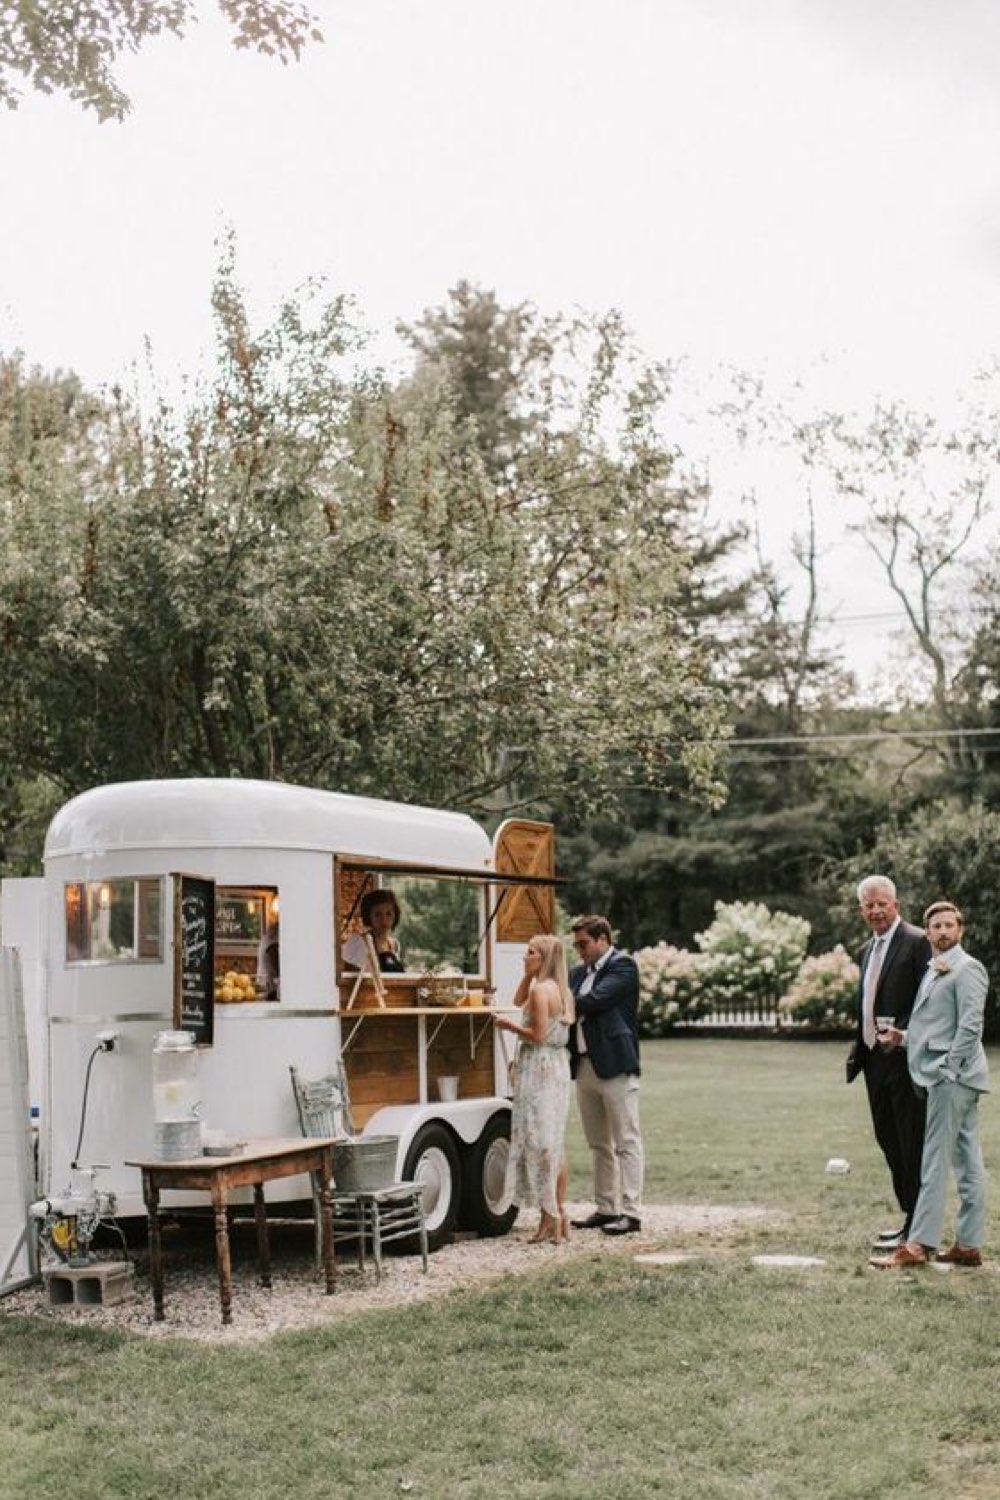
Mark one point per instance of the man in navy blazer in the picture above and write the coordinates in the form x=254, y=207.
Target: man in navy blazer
x=604, y=1060
x=892, y=963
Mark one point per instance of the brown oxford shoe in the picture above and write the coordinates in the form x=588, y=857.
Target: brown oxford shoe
x=907, y=1255
x=959, y=1256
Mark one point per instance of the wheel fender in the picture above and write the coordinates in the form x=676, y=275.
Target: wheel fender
x=466, y=1119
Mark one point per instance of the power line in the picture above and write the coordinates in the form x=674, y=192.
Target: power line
x=868, y=735
x=821, y=755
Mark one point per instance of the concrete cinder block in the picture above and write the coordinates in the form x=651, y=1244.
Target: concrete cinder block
x=99, y=1283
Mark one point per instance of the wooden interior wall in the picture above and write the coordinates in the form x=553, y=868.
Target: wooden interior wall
x=382, y=1057
x=382, y=1063
x=352, y=885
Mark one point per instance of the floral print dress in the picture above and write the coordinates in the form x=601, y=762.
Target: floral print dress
x=538, y=1119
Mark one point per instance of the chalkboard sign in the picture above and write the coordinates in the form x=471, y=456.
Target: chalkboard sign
x=241, y=915
x=194, y=957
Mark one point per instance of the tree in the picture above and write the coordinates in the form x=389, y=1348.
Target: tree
x=304, y=572
x=498, y=362
x=979, y=684
x=926, y=487
x=791, y=806
x=64, y=46
x=538, y=395
x=48, y=426
x=949, y=852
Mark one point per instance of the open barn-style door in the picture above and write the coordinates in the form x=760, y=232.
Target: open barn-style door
x=525, y=848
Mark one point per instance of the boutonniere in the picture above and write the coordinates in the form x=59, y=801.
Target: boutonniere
x=941, y=966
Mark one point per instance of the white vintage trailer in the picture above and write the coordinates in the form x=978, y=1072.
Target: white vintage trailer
x=114, y=973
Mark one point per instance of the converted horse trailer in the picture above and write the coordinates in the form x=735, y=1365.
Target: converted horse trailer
x=161, y=901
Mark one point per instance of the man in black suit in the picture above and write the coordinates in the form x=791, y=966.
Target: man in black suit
x=604, y=1060
x=892, y=962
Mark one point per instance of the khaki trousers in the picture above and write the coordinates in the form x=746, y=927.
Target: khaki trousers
x=609, y=1113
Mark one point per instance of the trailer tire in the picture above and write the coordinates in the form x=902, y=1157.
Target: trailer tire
x=485, y=1205
x=432, y=1160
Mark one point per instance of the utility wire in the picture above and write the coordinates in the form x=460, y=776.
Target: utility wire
x=840, y=738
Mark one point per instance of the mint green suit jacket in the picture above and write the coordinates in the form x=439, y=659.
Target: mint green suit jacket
x=944, y=1039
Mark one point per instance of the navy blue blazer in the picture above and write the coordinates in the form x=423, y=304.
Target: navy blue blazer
x=610, y=1016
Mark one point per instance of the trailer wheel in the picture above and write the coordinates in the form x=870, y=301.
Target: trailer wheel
x=486, y=1205
x=432, y=1160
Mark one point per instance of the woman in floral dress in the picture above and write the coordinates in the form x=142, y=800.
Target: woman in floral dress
x=536, y=1169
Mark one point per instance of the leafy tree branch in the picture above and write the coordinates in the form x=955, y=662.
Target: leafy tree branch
x=71, y=47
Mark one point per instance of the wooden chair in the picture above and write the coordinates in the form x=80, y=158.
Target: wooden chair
x=376, y=1215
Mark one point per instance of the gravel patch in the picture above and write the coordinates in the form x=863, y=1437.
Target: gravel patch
x=297, y=1301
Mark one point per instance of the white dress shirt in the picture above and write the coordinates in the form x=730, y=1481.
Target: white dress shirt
x=586, y=985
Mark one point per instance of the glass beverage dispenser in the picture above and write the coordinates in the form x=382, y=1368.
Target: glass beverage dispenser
x=176, y=1124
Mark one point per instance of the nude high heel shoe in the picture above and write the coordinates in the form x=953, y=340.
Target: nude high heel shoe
x=547, y=1232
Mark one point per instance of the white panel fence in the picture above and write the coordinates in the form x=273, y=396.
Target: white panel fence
x=18, y=1263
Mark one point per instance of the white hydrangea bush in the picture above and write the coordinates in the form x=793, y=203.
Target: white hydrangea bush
x=824, y=994
x=670, y=988
x=750, y=956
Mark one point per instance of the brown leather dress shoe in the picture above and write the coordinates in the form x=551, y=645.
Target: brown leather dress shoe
x=959, y=1256
x=907, y=1255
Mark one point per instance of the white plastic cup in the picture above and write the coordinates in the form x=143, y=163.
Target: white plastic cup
x=447, y=1089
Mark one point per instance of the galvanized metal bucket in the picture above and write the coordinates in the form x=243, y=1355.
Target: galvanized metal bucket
x=177, y=1140
x=365, y=1165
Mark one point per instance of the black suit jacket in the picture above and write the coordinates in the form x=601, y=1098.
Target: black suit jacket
x=903, y=968
x=610, y=1016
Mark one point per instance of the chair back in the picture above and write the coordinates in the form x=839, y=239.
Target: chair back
x=323, y=1104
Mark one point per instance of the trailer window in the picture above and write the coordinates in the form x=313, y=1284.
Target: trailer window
x=114, y=921
x=247, y=944
x=440, y=925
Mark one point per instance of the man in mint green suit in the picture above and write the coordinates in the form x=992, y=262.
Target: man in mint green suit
x=944, y=1050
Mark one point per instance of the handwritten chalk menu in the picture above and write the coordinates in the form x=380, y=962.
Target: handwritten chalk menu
x=194, y=957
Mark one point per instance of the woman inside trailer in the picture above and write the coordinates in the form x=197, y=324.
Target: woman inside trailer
x=380, y=915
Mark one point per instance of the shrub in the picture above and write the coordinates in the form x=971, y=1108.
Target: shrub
x=947, y=849
x=750, y=955
x=825, y=993
x=670, y=988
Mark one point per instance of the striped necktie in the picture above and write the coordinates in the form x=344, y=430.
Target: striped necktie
x=872, y=971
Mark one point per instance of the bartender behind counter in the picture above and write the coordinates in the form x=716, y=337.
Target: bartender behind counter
x=380, y=915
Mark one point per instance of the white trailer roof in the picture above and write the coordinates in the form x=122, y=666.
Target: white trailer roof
x=209, y=813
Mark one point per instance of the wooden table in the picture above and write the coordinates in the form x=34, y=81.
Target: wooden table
x=257, y=1163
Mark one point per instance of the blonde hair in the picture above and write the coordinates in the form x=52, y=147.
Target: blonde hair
x=553, y=956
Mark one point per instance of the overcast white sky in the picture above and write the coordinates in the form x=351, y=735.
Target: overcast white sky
x=807, y=185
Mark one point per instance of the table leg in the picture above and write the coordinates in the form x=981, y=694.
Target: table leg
x=222, y=1250
x=263, y=1248
x=151, y=1197
x=376, y=1226
x=326, y=1219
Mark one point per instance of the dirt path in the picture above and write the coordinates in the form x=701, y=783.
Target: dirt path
x=296, y=1299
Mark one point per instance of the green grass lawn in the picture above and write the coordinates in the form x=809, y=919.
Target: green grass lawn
x=599, y=1378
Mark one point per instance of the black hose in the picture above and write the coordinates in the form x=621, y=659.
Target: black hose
x=74, y=1164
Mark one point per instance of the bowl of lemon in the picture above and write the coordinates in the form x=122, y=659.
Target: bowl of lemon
x=234, y=988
